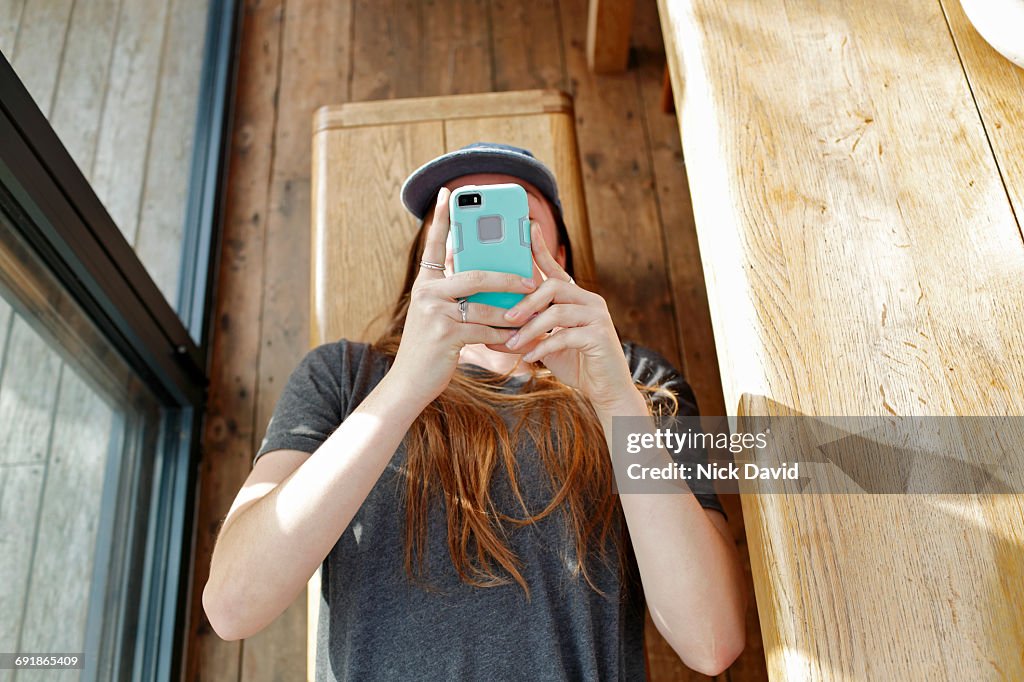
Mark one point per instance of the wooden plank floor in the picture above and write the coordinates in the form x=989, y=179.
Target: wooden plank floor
x=296, y=55
x=119, y=82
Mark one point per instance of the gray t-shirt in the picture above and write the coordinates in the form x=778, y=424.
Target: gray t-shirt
x=375, y=624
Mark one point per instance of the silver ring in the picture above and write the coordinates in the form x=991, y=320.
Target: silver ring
x=431, y=266
x=571, y=280
x=463, y=304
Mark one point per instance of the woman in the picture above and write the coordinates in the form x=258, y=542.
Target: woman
x=463, y=511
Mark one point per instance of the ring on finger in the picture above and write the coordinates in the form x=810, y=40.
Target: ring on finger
x=463, y=306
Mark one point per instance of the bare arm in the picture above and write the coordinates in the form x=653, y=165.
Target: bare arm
x=687, y=559
x=688, y=565
x=292, y=510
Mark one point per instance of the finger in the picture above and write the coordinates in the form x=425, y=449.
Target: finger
x=559, y=315
x=551, y=291
x=577, y=338
x=437, y=235
x=545, y=261
x=501, y=348
x=462, y=284
x=520, y=349
x=481, y=333
x=478, y=313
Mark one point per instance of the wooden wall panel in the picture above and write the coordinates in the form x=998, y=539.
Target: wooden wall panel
x=84, y=76
x=168, y=161
x=58, y=598
x=625, y=228
x=42, y=26
x=28, y=393
x=229, y=431
x=526, y=45
x=123, y=143
x=10, y=20
x=314, y=68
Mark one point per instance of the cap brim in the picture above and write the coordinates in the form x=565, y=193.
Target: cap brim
x=419, y=191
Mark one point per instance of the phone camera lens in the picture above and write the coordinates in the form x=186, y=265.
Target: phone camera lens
x=471, y=199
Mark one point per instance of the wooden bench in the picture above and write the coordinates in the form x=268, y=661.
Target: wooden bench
x=361, y=233
x=858, y=187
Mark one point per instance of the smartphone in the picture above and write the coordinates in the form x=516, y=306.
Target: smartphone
x=490, y=230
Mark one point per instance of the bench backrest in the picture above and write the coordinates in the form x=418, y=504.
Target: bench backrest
x=362, y=152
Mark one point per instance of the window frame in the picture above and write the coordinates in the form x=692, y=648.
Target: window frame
x=75, y=237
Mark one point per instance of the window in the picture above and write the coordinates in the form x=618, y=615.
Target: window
x=77, y=429
x=102, y=347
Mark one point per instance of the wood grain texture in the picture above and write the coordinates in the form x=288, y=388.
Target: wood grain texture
x=387, y=61
x=626, y=230
x=229, y=430
x=997, y=85
x=387, y=47
x=119, y=82
x=693, y=318
x=63, y=562
x=526, y=45
x=10, y=19
x=315, y=53
x=36, y=53
x=19, y=514
x=678, y=232
x=455, y=54
x=168, y=161
x=609, y=23
x=358, y=175
x=471, y=106
x=84, y=76
x=839, y=230
x=28, y=392
x=314, y=33
x=120, y=164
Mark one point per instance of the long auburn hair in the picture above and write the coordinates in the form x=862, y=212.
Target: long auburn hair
x=458, y=442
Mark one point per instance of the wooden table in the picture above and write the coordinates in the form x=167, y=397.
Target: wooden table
x=857, y=173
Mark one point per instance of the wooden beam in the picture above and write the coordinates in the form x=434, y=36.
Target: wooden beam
x=609, y=23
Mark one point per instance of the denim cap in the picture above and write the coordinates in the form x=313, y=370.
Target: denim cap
x=419, y=192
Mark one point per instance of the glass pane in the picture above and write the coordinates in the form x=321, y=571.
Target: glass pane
x=119, y=82
x=77, y=433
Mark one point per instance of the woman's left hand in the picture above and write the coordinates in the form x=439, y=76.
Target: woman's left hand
x=572, y=333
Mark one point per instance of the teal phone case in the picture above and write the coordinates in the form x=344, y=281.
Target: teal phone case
x=479, y=244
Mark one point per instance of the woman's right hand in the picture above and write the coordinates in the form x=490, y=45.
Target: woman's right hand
x=434, y=332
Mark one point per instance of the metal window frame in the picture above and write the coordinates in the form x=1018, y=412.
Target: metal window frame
x=78, y=241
